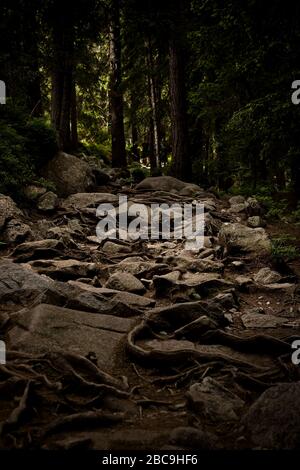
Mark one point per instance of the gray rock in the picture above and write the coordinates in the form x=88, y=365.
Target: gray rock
x=70, y=174
x=167, y=183
x=114, y=248
x=255, y=221
x=197, y=282
x=266, y=276
x=47, y=202
x=116, y=296
x=8, y=210
x=214, y=402
x=238, y=265
x=273, y=421
x=48, y=328
x=254, y=207
x=82, y=200
x=193, y=264
x=38, y=249
x=64, y=269
x=17, y=231
x=236, y=200
x=238, y=208
x=139, y=268
x=20, y=285
x=259, y=320
x=125, y=282
x=243, y=281
x=239, y=238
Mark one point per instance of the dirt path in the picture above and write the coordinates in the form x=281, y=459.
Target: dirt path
x=140, y=345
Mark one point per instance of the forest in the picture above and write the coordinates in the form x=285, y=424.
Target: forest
x=149, y=343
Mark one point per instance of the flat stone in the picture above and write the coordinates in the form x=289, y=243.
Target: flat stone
x=116, y=296
x=38, y=249
x=139, y=268
x=86, y=200
x=48, y=328
x=167, y=183
x=64, y=269
x=259, y=320
x=21, y=286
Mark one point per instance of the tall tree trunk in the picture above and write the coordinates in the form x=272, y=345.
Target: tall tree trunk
x=133, y=120
x=151, y=144
x=181, y=160
x=153, y=103
x=63, y=85
x=74, y=132
x=115, y=89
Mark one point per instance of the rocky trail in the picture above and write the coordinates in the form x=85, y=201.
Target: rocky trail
x=144, y=344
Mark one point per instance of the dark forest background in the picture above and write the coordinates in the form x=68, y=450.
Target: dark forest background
x=199, y=89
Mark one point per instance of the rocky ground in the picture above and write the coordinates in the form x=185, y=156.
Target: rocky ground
x=144, y=345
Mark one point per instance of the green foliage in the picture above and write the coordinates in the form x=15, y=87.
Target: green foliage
x=16, y=168
x=41, y=141
x=98, y=150
x=25, y=145
x=283, y=248
x=138, y=173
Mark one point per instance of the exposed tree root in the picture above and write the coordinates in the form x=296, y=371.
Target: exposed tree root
x=16, y=415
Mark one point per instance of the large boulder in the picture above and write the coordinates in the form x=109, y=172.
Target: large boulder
x=50, y=329
x=239, y=238
x=71, y=175
x=273, y=421
x=168, y=183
